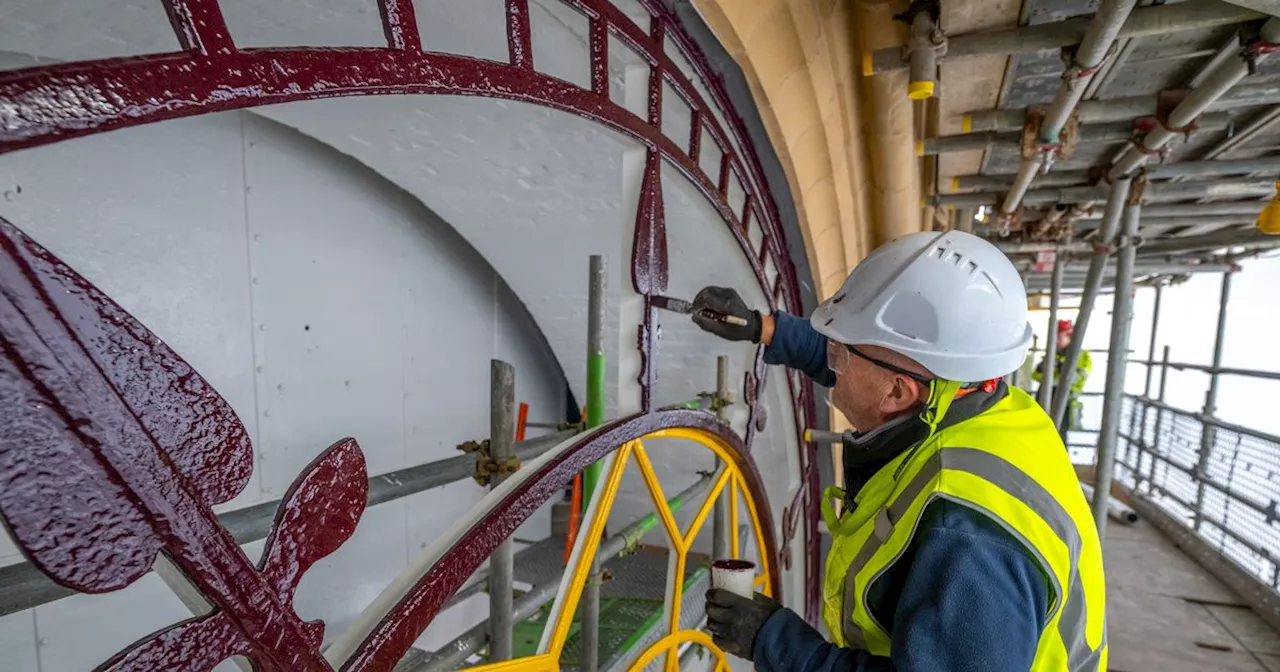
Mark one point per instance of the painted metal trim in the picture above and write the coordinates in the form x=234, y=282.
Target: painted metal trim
x=47, y=104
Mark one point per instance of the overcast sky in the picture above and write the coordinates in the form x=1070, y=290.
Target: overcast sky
x=1188, y=321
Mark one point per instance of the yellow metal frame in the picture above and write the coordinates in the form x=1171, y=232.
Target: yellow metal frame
x=681, y=541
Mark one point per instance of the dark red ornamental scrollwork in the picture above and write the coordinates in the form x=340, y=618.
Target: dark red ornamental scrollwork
x=114, y=450
x=50, y=103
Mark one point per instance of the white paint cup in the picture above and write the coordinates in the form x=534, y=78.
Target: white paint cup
x=735, y=576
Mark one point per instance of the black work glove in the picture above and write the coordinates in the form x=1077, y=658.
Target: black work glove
x=725, y=301
x=734, y=621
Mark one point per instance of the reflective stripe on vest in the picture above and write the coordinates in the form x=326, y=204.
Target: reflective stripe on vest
x=1073, y=619
x=1019, y=476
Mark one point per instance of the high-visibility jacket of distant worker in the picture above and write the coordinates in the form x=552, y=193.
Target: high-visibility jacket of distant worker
x=1084, y=366
x=1009, y=463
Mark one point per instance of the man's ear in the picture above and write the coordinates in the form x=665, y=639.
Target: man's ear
x=903, y=394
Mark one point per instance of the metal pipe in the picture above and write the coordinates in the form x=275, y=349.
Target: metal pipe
x=1208, y=435
x=22, y=586
x=1101, y=34
x=1215, y=422
x=1222, y=370
x=502, y=431
x=1269, y=165
x=1151, y=346
x=1136, y=428
x=922, y=48
x=823, y=436
x=1091, y=134
x=453, y=654
x=1107, y=70
x=1104, y=28
x=1241, y=208
x=1121, y=317
x=1164, y=380
x=1092, y=285
x=1118, y=510
x=591, y=618
x=1156, y=20
x=1067, y=178
x=1121, y=109
x=1246, y=134
x=596, y=307
x=1155, y=193
x=1153, y=226
x=1217, y=83
x=1045, y=393
x=597, y=298
x=720, y=511
x=1231, y=239
x=1230, y=49
x=1077, y=272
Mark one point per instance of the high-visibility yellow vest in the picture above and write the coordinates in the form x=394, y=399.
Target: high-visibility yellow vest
x=1084, y=366
x=1008, y=463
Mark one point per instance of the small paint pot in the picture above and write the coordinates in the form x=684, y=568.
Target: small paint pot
x=735, y=576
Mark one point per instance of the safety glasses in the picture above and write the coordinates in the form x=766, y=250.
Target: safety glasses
x=839, y=354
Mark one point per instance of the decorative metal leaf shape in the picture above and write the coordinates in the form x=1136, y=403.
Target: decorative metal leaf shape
x=84, y=386
x=194, y=646
x=317, y=515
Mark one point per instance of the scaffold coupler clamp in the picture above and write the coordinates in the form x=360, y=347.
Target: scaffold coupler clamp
x=486, y=465
x=1008, y=222
x=934, y=9
x=715, y=401
x=1252, y=46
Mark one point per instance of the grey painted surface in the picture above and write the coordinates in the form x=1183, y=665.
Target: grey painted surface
x=320, y=300
x=533, y=191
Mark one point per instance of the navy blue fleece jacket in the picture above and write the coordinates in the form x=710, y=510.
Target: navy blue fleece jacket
x=964, y=596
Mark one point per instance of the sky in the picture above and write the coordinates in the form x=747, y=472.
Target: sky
x=1188, y=323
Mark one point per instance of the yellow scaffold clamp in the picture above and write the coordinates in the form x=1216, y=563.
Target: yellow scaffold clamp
x=1269, y=219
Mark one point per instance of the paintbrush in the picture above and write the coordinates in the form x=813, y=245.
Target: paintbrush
x=686, y=308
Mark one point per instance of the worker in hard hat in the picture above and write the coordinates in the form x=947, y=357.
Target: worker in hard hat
x=966, y=542
x=1084, y=366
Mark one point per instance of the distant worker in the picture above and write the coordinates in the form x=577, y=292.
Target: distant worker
x=1066, y=330
x=966, y=542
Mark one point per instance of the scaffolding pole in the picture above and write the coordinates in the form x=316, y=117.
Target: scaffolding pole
x=502, y=432
x=1164, y=379
x=1157, y=20
x=596, y=308
x=1216, y=83
x=1121, y=317
x=1138, y=424
x=1208, y=434
x=1045, y=393
x=1151, y=346
x=719, y=512
x=1098, y=40
x=1092, y=286
x=597, y=289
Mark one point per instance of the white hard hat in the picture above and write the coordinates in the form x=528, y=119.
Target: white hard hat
x=950, y=301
